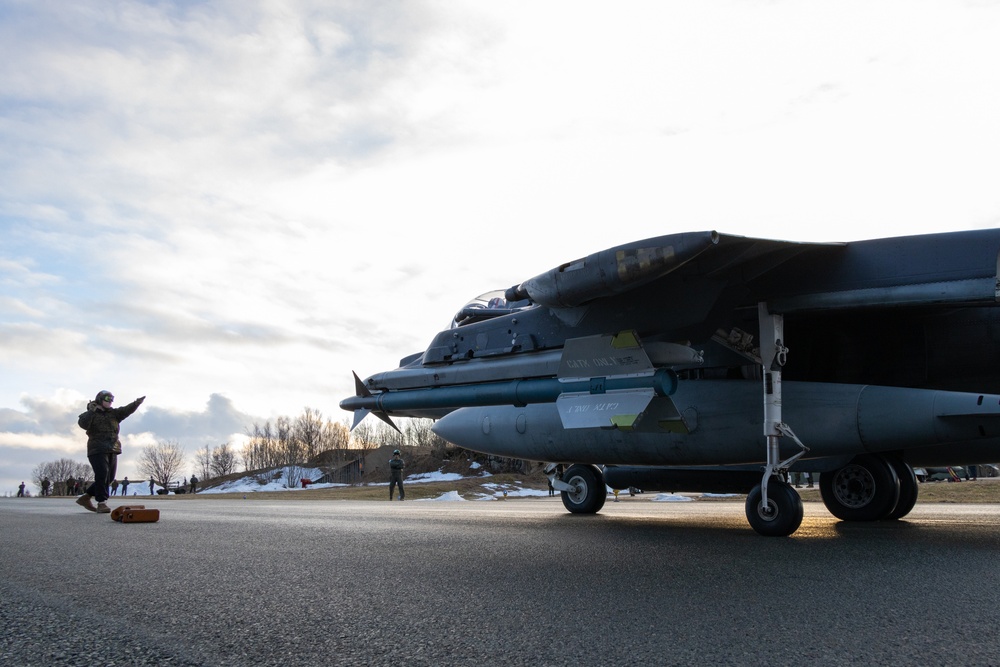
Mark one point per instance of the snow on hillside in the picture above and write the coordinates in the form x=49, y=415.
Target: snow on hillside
x=491, y=491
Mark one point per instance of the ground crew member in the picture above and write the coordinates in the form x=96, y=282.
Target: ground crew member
x=101, y=421
x=396, y=466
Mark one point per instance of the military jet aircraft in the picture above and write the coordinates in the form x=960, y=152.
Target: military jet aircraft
x=710, y=362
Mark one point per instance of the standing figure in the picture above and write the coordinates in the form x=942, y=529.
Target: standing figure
x=396, y=466
x=45, y=486
x=194, y=484
x=125, y=486
x=150, y=486
x=102, y=423
x=20, y=490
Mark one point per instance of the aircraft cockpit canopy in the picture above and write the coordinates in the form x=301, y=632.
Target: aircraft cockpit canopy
x=484, y=307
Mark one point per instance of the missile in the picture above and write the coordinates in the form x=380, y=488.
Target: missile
x=600, y=381
x=606, y=395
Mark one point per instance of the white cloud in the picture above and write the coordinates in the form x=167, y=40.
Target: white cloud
x=249, y=200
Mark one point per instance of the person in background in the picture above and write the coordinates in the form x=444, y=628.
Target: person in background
x=102, y=424
x=396, y=466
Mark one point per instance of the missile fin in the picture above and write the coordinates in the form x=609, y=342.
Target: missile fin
x=385, y=417
x=662, y=415
x=361, y=413
x=625, y=422
x=611, y=409
x=359, y=387
x=604, y=356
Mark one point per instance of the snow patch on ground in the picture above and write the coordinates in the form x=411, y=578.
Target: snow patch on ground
x=671, y=498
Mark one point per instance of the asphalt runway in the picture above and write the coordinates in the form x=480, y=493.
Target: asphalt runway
x=517, y=582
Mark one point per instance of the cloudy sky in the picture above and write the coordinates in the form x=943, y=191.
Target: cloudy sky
x=228, y=206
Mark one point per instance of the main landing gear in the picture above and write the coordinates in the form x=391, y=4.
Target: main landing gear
x=870, y=488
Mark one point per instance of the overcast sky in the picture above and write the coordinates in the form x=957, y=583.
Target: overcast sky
x=228, y=206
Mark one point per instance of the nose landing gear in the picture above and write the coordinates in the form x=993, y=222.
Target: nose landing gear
x=773, y=507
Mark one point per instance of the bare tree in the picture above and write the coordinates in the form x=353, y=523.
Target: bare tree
x=288, y=445
x=292, y=476
x=418, y=433
x=308, y=431
x=58, y=472
x=261, y=449
x=334, y=453
x=203, y=462
x=383, y=435
x=161, y=461
x=363, y=436
x=223, y=460
x=336, y=435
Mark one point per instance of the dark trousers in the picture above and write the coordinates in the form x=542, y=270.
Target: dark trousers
x=105, y=466
x=392, y=483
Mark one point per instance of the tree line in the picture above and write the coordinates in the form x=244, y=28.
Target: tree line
x=285, y=442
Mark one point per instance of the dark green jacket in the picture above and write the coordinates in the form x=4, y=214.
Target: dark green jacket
x=102, y=426
x=396, y=469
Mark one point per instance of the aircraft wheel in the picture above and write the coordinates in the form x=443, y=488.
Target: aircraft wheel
x=908, y=489
x=866, y=489
x=782, y=515
x=589, y=491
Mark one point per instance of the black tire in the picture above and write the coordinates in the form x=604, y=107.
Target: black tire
x=590, y=492
x=783, y=514
x=866, y=489
x=908, y=489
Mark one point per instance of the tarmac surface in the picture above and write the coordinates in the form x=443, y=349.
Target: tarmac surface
x=517, y=582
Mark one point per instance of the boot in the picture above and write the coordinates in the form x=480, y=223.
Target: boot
x=84, y=502
x=103, y=508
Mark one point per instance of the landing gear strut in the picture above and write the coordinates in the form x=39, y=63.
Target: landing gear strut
x=773, y=507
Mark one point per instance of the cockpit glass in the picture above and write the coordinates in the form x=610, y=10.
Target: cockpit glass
x=485, y=306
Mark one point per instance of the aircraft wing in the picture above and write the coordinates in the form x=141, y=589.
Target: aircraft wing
x=920, y=270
